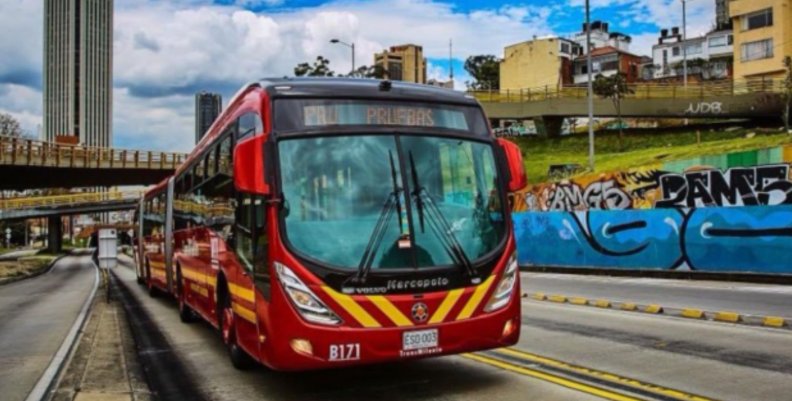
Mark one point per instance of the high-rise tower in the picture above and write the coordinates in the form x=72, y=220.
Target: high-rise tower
x=78, y=70
x=207, y=107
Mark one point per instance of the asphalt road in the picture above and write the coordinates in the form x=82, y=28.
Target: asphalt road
x=35, y=317
x=745, y=298
x=654, y=356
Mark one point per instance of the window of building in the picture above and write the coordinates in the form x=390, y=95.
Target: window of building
x=757, y=50
x=719, y=41
x=759, y=19
x=675, y=51
x=694, y=48
x=565, y=48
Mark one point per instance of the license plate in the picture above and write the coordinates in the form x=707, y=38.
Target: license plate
x=412, y=340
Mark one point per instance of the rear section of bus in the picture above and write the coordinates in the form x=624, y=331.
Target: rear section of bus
x=390, y=235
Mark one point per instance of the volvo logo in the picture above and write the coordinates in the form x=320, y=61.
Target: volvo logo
x=420, y=312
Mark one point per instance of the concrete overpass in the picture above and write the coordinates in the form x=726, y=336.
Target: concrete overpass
x=759, y=99
x=54, y=207
x=30, y=164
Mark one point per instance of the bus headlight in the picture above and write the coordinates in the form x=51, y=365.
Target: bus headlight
x=505, y=287
x=307, y=303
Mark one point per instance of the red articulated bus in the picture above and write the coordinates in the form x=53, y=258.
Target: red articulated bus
x=335, y=222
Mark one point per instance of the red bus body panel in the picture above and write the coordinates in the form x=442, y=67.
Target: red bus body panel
x=264, y=327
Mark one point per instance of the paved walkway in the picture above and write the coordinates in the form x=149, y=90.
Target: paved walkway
x=105, y=366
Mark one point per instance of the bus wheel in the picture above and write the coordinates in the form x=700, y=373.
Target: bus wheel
x=239, y=358
x=186, y=314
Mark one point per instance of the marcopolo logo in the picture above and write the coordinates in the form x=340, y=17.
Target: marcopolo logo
x=417, y=284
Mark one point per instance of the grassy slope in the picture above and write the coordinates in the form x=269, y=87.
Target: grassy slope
x=639, y=149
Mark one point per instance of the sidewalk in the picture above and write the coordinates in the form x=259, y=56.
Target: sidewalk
x=104, y=366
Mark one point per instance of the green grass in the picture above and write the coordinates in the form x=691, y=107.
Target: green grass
x=640, y=149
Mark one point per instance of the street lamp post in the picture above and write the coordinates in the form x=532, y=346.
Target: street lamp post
x=349, y=45
x=684, y=45
x=590, y=87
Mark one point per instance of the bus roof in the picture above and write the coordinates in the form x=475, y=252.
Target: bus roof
x=361, y=88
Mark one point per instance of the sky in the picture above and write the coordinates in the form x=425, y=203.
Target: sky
x=165, y=51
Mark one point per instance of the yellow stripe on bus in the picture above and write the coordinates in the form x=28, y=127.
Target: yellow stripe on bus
x=389, y=310
x=244, y=312
x=193, y=275
x=475, y=299
x=242, y=292
x=352, y=308
x=446, y=306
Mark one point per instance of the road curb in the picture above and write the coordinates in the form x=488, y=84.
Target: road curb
x=43, y=389
x=776, y=322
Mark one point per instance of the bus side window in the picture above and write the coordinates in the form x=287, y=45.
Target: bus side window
x=252, y=243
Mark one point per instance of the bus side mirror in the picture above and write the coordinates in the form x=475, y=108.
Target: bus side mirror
x=517, y=177
x=249, y=166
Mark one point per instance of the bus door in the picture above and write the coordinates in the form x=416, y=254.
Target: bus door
x=251, y=249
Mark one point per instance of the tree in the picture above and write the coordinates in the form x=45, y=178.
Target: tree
x=614, y=88
x=375, y=71
x=787, y=93
x=485, y=70
x=9, y=126
x=320, y=68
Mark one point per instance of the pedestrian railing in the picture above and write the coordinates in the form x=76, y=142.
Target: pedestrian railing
x=642, y=90
x=68, y=199
x=28, y=152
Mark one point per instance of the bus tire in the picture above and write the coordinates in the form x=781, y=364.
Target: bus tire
x=226, y=322
x=186, y=314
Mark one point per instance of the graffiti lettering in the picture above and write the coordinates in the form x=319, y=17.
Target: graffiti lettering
x=720, y=239
x=605, y=195
x=762, y=185
x=704, y=108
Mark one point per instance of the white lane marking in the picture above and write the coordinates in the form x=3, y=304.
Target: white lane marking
x=44, y=385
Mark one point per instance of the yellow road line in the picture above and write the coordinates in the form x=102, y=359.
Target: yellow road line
x=602, y=303
x=731, y=317
x=773, y=321
x=561, y=381
x=557, y=298
x=601, y=375
x=578, y=301
x=691, y=313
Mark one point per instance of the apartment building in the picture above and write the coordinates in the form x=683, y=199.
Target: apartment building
x=762, y=37
x=403, y=63
x=541, y=62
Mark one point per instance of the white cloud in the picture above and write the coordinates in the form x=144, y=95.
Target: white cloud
x=165, y=51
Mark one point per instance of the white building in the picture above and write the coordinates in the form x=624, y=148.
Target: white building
x=602, y=37
x=78, y=70
x=709, y=56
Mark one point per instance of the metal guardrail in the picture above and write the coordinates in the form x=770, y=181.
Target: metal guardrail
x=70, y=199
x=27, y=152
x=643, y=90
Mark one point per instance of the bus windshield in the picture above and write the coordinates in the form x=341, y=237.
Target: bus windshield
x=395, y=201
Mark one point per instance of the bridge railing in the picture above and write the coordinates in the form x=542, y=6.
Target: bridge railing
x=69, y=199
x=641, y=90
x=29, y=152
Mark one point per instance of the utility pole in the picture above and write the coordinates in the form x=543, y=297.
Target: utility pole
x=590, y=87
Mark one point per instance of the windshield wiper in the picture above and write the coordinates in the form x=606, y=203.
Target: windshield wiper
x=439, y=224
x=392, y=202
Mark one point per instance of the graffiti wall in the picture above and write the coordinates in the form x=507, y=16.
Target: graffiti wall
x=730, y=213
